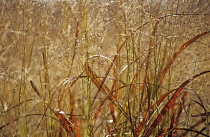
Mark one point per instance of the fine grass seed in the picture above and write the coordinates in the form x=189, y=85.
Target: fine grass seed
x=109, y=68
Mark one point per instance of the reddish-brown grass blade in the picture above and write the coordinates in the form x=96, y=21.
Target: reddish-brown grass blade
x=139, y=129
x=112, y=111
x=176, y=115
x=98, y=83
x=61, y=95
x=102, y=87
x=169, y=104
x=35, y=89
x=172, y=59
x=98, y=110
x=67, y=125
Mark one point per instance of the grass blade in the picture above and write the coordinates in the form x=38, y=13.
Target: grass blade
x=103, y=88
x=67, y=125
x=170, y=104
x=172, y=59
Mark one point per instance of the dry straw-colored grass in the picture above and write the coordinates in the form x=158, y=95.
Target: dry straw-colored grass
x=104, y=68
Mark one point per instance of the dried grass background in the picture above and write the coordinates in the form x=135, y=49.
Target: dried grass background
x=49, y=42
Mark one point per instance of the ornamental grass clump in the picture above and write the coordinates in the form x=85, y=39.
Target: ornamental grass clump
x=104, y=68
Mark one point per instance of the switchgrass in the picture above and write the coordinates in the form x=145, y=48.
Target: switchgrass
x=104, y=68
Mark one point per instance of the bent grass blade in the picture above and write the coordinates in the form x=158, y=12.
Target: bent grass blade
x=103, y=88
x=172, y=59
x=66, y=124
x=170, y=104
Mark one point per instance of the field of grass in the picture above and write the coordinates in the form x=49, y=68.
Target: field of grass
x=104, y=68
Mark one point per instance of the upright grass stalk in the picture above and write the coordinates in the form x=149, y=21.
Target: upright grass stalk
x=89, y=131
x=170, y=104
x=22, y=94
x=111, y=68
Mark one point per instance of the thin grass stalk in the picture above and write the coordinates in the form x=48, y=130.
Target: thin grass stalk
x=67, y=125
x=172, y=59
x=28, y=115
x=176, y=116
x=169, y=104
x=51, y=21
x=102, y=82
x=103, y=88
x=89, y=117
x=46, y=81
x=23, y=95
x=74, y=47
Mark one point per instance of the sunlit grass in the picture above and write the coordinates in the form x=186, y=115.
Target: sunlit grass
x=96, y=68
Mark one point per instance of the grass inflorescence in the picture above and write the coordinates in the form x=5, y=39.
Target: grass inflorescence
x=104, y=68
